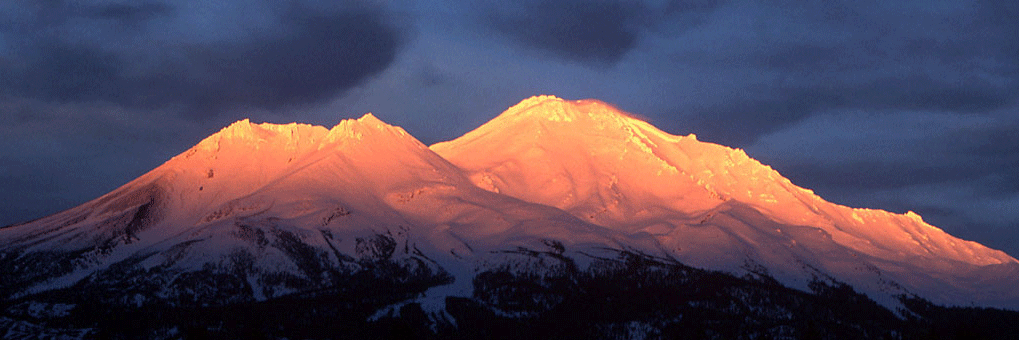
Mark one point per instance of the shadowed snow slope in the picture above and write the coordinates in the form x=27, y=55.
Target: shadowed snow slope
x=269, y=210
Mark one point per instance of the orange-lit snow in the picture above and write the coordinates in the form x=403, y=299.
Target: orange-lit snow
x=580, y=172
x=588, y=158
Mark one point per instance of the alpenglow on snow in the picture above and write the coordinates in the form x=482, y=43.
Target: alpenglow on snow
x=260, y=211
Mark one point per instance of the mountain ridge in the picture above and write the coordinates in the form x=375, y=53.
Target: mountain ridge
x=720, y=170
x=257, y=212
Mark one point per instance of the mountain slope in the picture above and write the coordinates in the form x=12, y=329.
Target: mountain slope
x=268, y=210
x=714, y=206
x=514, y=221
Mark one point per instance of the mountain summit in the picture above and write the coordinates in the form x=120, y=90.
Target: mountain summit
x=551, y=193
x=710, y=205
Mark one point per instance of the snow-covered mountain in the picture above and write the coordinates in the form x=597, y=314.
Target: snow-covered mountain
x=551, y=187
x=714, y=207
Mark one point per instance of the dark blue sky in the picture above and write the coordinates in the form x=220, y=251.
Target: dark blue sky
x=905, y=105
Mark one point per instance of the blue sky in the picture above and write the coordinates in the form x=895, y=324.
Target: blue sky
x=906, y=105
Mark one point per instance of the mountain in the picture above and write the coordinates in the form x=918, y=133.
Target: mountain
x=551, y=209
x=715, y=207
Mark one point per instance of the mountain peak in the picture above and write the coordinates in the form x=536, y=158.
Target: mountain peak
x=554, y=121
x=243, y=132
x=304, y=203
x=544, y=106
x=368, y=126
x=239, y=128
x=243, y=137
x=598, y=163
x=555, y=109
x=370, y=119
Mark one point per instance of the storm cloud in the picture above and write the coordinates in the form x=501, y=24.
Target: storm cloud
x=597, y=32
x=130, y=54
x=802, y=60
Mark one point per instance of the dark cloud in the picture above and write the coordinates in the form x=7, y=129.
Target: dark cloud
x=55, y=156
x=305, y=55
x=741, y=117
x=958, y=172
x=796, y=61
x=685, y=7
x=324, y=56
x=597, y=32
x=131, y=13
x=995, y=141
x=64, y=72
x=738, y=119
x=589, y=31
x=869, y=175
x=899, y=157
x=990, y=152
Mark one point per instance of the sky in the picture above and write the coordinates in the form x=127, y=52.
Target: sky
x=895, y=105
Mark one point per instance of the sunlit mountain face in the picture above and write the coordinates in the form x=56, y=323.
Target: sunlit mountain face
x=556, y=219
